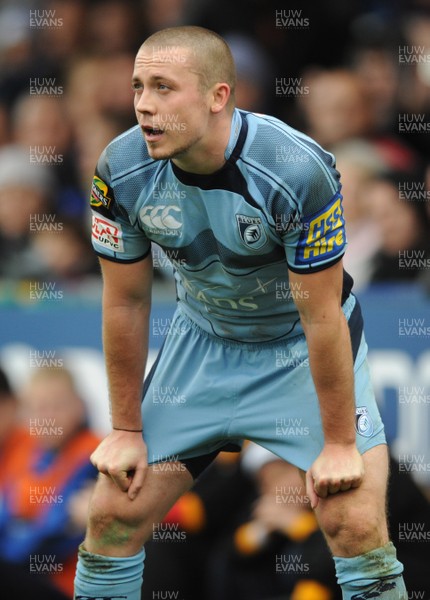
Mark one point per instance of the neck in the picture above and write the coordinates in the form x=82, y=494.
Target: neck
x=208, y=155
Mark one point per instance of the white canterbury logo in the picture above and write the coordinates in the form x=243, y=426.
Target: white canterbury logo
x=161, y=217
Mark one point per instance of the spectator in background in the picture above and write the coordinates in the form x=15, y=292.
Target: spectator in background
x=415, y=72
x=359, y=162
x=64, y=38
x=112, y=27
x=90, y=138
x=254, y=72
x=99, y=86
x=343, y=112
x=15, y=56
x=98, y=92
x=16, y=582
x=41, y=126
x=158, y=14
x=99, y=101
x=36, y=243
x=47, y=470
x=403, y=224
x=377, y=68
x=25, y=196
x=279, y=523
x=336, y=108
x=10, y=435
x=36, y=52
x=414, y=100
x=84, y=89
x=65, y=255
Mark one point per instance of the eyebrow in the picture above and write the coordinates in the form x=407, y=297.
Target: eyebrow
x=138, y=79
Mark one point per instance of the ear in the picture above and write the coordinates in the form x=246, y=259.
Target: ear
x=220, y=97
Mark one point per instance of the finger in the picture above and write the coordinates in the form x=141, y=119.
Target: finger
x=121, y=479
x=346, y=485
x=310, y=490
x=137, y=479
x=93, y=460
x=321, y=486
x=336, y=486
x=343, y=485
x=357, y=482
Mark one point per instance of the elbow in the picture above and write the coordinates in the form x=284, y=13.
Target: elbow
x=325, y=318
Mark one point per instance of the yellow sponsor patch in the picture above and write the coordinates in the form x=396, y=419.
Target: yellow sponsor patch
x=100, y=193
x=323, y=234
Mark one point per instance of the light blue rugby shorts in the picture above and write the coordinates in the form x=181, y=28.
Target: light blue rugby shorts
x=205, y=394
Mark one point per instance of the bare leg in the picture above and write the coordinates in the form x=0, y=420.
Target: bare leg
x=355, y=526
x=111, y=558
x=119, y=526
x=355, y=522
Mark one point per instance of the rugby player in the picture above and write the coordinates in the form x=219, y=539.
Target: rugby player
x=267, y=340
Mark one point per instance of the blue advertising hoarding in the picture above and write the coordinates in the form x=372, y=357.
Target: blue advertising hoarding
x=397, y=325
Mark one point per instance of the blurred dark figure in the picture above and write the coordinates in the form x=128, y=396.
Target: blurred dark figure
x=400, y=215
x=278, y=550
x=25, y=199
x=336, y=108
x=66, y=255
x=255, y=72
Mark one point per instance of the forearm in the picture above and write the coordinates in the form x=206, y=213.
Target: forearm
x=125, y=342
x=331, y=364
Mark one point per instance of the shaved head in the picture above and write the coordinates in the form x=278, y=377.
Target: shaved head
x=210, y=55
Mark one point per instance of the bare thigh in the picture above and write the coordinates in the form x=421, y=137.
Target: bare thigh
x=118, y=526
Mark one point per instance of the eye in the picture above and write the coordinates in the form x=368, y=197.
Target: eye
x=136, y=86
x=163, y=87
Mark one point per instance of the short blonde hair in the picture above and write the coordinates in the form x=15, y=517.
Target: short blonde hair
x=213, y=58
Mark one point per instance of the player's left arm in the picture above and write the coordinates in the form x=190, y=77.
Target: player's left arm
x=339, y=467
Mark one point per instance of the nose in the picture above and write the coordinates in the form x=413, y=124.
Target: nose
x=144, y=102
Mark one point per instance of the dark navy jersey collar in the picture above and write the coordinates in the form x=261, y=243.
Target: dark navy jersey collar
x=239, y=129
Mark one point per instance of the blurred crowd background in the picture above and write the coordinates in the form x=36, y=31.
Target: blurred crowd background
x=353, y=75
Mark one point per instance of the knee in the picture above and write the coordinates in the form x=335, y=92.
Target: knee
x=351, y=521
x=113, y=516
x=352, y=528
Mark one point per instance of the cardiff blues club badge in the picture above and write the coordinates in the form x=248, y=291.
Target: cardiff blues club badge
x=363, y=422
x=251, y=231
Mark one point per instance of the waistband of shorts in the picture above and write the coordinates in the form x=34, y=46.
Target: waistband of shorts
x=347, y=307
x=231, y=343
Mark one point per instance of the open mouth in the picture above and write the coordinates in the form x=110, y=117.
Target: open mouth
x=152, y=134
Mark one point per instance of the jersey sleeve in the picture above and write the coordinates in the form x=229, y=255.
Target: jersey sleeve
x=314, y=236
x=113, y=236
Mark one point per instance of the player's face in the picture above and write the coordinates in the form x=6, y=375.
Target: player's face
x=171, y=108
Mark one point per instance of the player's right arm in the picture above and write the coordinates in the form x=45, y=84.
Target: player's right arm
x=126, y=309
x=125, y=258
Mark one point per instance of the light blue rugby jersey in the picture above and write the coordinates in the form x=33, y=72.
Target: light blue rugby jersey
x=232, y=235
